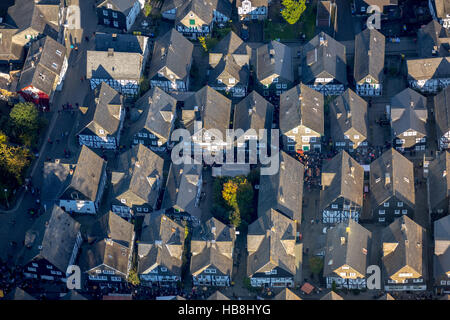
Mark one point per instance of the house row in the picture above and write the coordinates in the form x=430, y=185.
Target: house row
x=404, y=248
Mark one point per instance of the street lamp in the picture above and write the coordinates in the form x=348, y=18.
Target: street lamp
x=6, y=197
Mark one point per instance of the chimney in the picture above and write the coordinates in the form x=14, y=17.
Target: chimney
x=110, y=52
x=338, y=115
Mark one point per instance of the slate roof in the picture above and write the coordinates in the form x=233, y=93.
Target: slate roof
x=111, y=226
x=229, y=68
x=408, y=111
x=158, y=111
x=9, y=50
x=428, y=68
x=174, y=52
x=113, y=246
x=409, y=240
x=181, y=188
x=171, y=4
x=106, y=113
x=161, y=244
x=113, y=65
x=214, y=110
x=302, y=105
x=441, y=112
x=52, y=237
x=286, y=294
x=274, y=58
x=204, y=9
x=231, y=44
x=212, y=244
x=120, y=42
x=369, y=55
x=343, y=177
x=439, y=179
x=143, y=174
x=73, y=295
x=271, y=244
x=433, y=36
x=395, y=176
x=19, y=294
x=218, y=296
x=253, y=112
x=347, y=245
x=41, y=18
x=61, y=179
x=441, y=256
x=331, y=59
x=43, y=65
x=123, y=6
x=87, y=175
x=283, y=191
x=442, y=8
x=331, y=296
x=354, y=115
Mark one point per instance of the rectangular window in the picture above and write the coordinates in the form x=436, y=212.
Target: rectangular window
x=192, y=22
x=163, y=269
x=114, y=14
x=381, y=211
x=404, y=211
x=381, y=219
x=116, y=24
x=397, y=212
x=400, y=204
x=386, y=204
x=334, y=206
x=106, y=21
x=105, y=13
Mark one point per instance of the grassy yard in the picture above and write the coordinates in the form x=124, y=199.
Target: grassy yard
x=276, y=28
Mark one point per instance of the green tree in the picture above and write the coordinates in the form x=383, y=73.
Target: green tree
x=292, y=10
x=315, y=265
x=133, y=278
x=25, y=117
x=14, y=160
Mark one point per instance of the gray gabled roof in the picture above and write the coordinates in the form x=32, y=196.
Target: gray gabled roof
x=329, y=59
x=171, y=4
x=161, y=244
x=271, y=244
x=107, y=112
x=120, y=42
x=9, y=50
x=111, y=226
x=441, y=112
x=174, y=52
x=113, y=65
x=158, y=112
x=228, y=68
x=428, y=68
x=441, y=260
x=302, y=105
x=408, y=111
x=439, y=179
x=286, y=294
x=408, y=241
x=204, y=9
x=343, y=177
x=213, y=110
x=274, y=58
x=253, y=112
x=61, y=179
x=283, y=191
x=348, y=244
x=433, y=37
x=212, y=244
x=353, y=115
x=113, y=246
x=143, y=173
x=369, y=55
x=182, y=187
x=218, y=296
x=331, y=296
x=391, y=175
x=26, y=14
x=43, y=65
x=231, y=44
x=52, y=237
x=19, y=294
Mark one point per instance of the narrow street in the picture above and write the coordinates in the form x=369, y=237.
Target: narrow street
x=61, y=121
